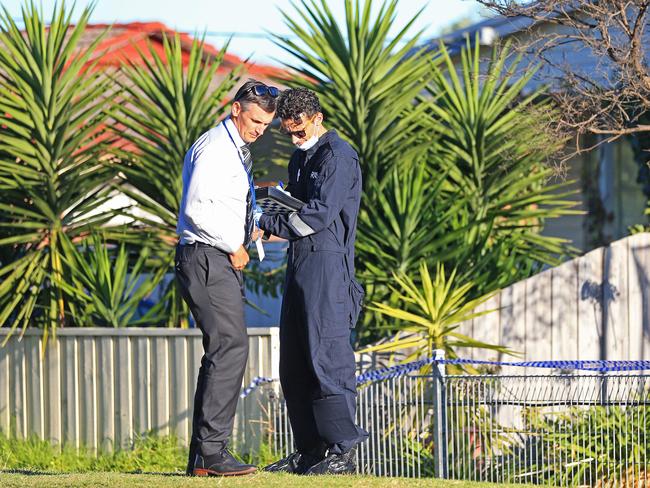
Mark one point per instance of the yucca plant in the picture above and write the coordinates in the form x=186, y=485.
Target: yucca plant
x=595, y=446
x=490, y=146
x=397, y=230
x=365, y=77
x=487, y=161
x=411, y=220
x=429, y=311
x=110, y=282
x=453, y=160
x=165, y=107
x=367, y=84
x=52, y=178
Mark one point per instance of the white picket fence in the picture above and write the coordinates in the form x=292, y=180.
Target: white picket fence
x=99, y=387
x=596, y=306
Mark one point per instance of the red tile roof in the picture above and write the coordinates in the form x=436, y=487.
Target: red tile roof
x=123, y=41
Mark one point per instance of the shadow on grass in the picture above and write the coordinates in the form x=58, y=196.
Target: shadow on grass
x=153, y=473
x=30, y=472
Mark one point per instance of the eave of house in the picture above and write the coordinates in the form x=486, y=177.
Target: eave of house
x=487, y=31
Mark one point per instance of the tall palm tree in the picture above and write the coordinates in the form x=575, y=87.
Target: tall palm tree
x=52, y=178
x=453, y=164
x=490, y=146
x=365, y=77
x=165, y=106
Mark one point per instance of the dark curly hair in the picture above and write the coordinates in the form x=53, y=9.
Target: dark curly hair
x=296, y=101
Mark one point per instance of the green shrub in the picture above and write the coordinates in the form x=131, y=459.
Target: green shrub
x=147, y=454
x=604, y=445
x=453, y=154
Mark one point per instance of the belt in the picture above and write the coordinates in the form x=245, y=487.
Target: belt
x=198, y=244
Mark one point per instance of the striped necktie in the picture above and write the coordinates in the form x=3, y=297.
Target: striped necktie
x=248, y=165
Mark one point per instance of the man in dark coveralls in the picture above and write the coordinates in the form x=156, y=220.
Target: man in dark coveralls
x=321, y=297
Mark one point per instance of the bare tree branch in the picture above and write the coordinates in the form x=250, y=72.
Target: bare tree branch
x=595, y=56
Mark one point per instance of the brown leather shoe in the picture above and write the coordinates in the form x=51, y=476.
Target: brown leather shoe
x=221, y=464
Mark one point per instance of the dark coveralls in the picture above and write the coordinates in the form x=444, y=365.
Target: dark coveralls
x=322, y=299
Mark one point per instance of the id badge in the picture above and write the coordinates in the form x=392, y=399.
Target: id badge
x=260, y=249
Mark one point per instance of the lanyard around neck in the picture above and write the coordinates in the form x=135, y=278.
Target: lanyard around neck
x=249, y=176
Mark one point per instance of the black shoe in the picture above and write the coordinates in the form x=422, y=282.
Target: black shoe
x=287, y=464
x=220, y=464
x=307, y=461
x=335, y=464
x=295, y=462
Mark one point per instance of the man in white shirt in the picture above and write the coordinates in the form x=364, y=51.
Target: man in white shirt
x=215, y=226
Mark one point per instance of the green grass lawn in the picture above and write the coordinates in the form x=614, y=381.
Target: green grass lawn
x=26, y=479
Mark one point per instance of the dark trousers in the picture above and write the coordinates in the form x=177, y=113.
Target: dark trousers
x=317, y=364
x=214, y=291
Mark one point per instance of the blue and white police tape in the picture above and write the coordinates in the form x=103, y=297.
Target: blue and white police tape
x=257, y=381
x=394, y=371
x=599, y=366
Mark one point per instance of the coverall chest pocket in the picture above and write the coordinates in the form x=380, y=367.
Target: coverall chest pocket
x=315, y=184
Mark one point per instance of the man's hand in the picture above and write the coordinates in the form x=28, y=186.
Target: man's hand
x=256, y=234
x=239, y=259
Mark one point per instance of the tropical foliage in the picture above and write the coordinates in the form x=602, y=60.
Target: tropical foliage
x=495, y=157
x=366, y=78
x=164, y=108
x=431, y=313
x=454, y=168
x=52, y=177
x=454, y=164
x=109, y=285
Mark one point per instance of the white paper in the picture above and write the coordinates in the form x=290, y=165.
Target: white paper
x=260, y=249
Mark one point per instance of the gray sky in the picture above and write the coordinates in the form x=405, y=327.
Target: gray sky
x=255, y=16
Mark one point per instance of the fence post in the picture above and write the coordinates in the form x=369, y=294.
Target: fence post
x=439, y=416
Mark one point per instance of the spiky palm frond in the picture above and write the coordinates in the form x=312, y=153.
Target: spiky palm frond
x=52, y=179
x=110, y=283
x=492, y=147
x=166, y=106
x=430, y=310
x=453, y=158
x=365, y=77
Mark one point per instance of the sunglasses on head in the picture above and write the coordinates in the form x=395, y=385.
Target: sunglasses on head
x=261, y=90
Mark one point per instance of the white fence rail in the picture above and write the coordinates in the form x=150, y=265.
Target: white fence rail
x=594, y=307
x=99, y=388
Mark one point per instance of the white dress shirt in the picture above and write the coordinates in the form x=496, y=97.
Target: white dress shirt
x=215, y=186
